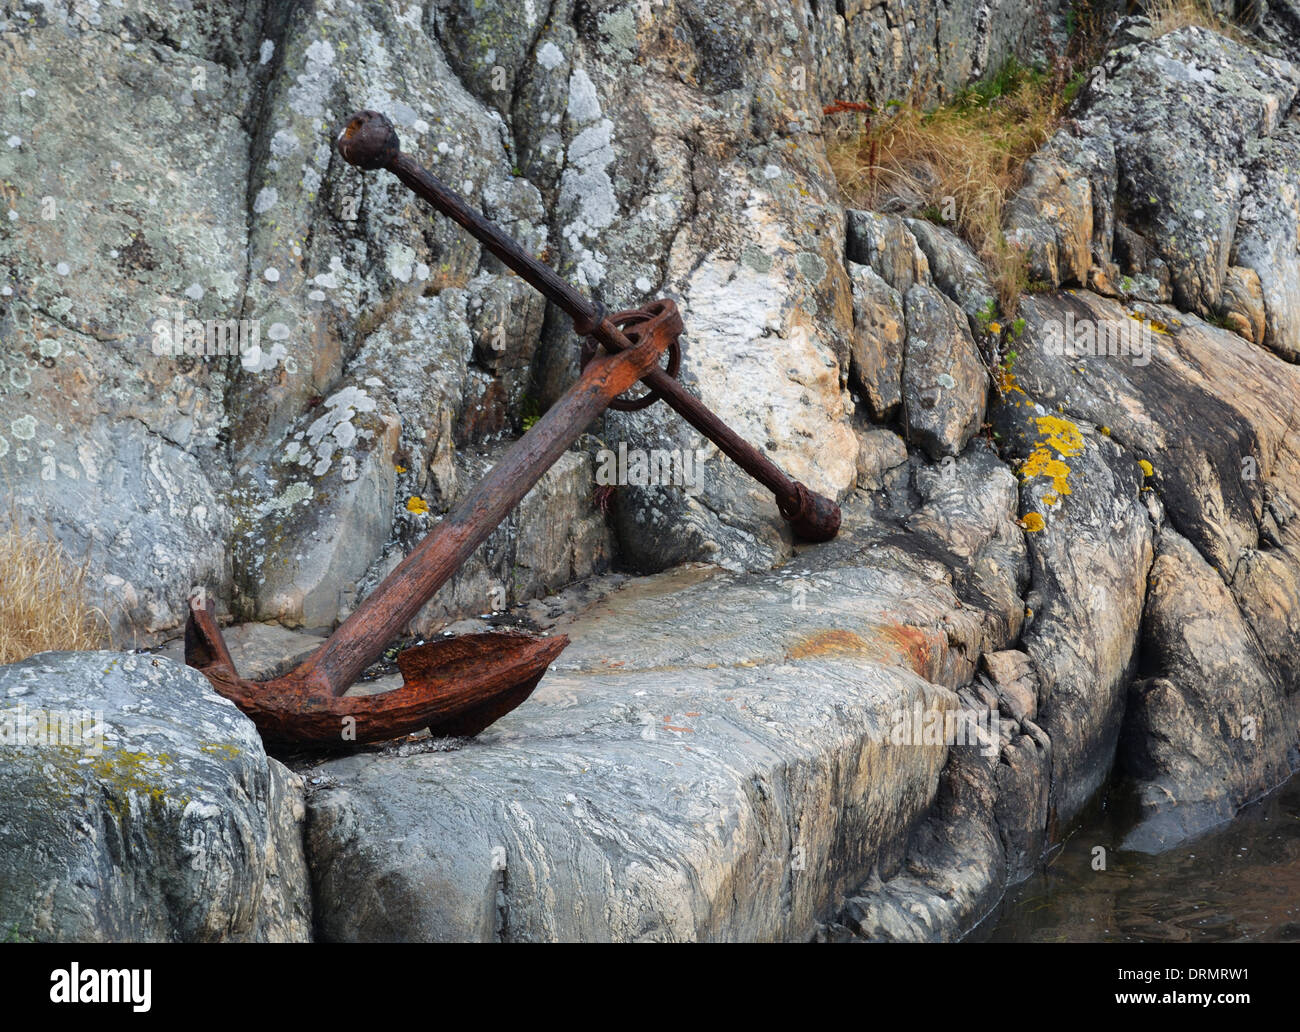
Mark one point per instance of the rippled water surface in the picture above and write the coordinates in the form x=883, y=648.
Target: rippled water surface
x=1237, y=883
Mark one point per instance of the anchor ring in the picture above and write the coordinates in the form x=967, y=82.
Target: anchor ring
x=635, y=323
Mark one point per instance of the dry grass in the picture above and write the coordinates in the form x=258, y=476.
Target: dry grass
x=959, y=163
x=1170, y=15
x=44, y=602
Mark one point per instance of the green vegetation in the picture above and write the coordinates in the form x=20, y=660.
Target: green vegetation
x=530, y=412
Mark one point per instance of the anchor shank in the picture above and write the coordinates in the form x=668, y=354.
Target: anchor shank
x=363, y=636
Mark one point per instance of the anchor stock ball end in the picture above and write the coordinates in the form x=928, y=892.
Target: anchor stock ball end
x=812, y=517
x=368, y=140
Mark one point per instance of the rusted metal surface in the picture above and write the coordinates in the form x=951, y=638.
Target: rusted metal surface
x=457, y=686
x=369, y=141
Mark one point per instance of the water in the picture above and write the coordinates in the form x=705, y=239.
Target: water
x=1237, y=883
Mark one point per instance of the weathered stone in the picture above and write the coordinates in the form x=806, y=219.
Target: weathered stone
x=767, y=345
x=1242, y=304
x=552, y=538
x=1050, y=218
x=707, y=785
x=967, y=516
x=944, y=383
x=106, y=435
x=638, y=160
x=882, y=457
x=884, y=243
x=313, y=524
x=957, y=272
x=1089, y=561
x=879, y=336
x=1185, y=113
x=1268, y=244
x=955, y=866
x=1063, y=214
x=1156, y=396
x=154, y=815
x=671, y=155
x=1012, y=673
x=1023, y=807
x=260, y=651
x=896, y=49
x=1211, y=729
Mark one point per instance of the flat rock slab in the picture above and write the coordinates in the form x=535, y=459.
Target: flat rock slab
x=709, y=760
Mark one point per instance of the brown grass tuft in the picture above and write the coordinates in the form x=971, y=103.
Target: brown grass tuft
x=962, y=161
x=1171, y=15
x=44, y=600
x=959, y=163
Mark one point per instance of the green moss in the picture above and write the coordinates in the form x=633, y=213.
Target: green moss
x=222, y=749
x=14, y=935
x=1006, y=80
x=122, y=772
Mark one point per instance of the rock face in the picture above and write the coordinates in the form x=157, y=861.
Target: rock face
x=1063, y=215
x=1199, y=225
x=1213, y=704
x=1219, y=493
x=1196, y=96
x=140, y=806
x=229, y=359
x=880, y=335
x=911, y=344
x=1160, y=620
x=232, y=360
x=943, y=382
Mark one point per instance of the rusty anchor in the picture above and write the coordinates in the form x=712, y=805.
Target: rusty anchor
x=459, y=686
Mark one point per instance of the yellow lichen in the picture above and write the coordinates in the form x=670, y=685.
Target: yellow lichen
x=229, y=752
x=143, y=774
x=1007, y=382
x=1061, y=434
x=1041, y=464
x=1154, y=325
x=1058, y=439
x=417, y=505
x=1147, y=469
